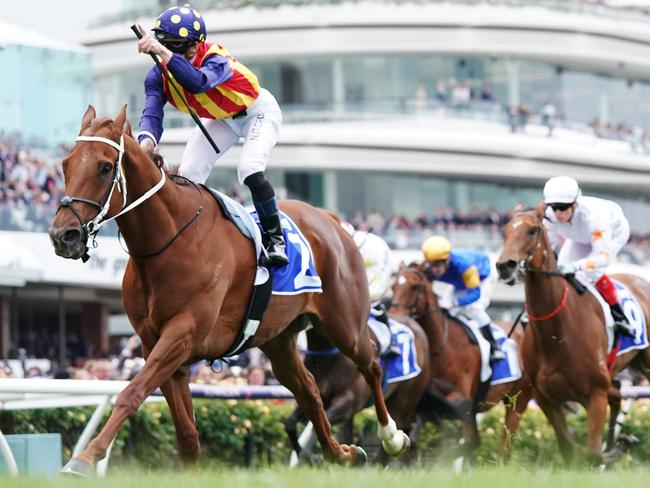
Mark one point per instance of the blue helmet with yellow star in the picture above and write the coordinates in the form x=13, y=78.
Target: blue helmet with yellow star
x=178, y=27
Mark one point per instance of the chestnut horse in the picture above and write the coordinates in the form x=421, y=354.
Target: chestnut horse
x=188, y=282
x=344, y=392
x=456, y=361
x=565, y=344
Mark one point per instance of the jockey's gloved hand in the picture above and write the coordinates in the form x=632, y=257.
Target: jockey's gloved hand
x=568, y=268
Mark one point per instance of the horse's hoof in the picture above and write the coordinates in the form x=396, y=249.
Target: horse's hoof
x=397, y=445
x=77, y=467
x=360, y=457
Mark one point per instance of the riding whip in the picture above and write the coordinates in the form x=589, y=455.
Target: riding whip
x=196, y=118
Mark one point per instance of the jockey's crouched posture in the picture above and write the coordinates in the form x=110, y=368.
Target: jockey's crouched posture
x=472, y=275
x=227, y=97
x=589, y=232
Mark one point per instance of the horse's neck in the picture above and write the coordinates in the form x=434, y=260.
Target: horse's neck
x=432, y=321
x=152, y=222
x=546, y=297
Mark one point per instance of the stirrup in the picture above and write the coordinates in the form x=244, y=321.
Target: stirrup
x=393, y=351
x=277, y=258
x=625, y=327
x=497, y=354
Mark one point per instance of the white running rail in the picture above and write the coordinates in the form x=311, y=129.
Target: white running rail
x=24, y=394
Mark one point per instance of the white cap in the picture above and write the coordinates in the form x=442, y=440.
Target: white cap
x=561, y=189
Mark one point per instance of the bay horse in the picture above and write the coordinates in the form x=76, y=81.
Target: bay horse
x=565, y=344
x=345, y=393
x=456, y=361
x=188, y=282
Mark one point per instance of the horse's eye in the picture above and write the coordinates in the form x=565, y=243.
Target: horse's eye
x=532, y=232
x=107, y=169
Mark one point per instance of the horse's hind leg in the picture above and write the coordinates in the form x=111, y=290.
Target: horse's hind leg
x=292, y=373
x=179, y=398
x=363, y=353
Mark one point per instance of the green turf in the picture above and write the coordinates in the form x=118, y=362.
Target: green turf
x=338, y=477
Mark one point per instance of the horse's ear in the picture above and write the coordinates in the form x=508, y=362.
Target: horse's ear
x=120, y=120
x=540, y=209
x=87, y=119
x=128, y=130
x=402, y=265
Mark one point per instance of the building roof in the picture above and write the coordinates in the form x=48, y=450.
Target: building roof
x=17, y=35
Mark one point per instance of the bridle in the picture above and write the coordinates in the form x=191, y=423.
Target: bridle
x=412, y=308
x=525, y=267
x=92, y=227
x=419, y=291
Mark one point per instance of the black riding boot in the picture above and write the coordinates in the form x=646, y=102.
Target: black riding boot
x=266, y=205
x=620, y=320
x=495, y=350
x=275, y=245
x=379, y=312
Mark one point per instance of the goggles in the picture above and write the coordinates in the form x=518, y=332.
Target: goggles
x=174, y=44
x=560, y=207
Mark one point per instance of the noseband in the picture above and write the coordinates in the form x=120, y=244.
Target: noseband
x=91, y=228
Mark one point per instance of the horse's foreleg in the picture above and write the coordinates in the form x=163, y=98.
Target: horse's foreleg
x=291, y=428
x=555, y=415
x=179, y=398
x=515, y=407
x=170, y=352
x=614, y=399
x=292, y=373
x=596, y=417
x=341, y=412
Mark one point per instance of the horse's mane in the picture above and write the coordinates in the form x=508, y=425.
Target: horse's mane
x=525, y=210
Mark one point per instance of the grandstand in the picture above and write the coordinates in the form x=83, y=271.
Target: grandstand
x=406, y=117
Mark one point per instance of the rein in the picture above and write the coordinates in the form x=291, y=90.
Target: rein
x=92, y=227
x=557, y=310
x=175, y=236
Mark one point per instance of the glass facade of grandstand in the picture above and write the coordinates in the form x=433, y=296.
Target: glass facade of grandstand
x=371, y=87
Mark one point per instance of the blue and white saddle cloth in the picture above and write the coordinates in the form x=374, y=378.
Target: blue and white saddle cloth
x=633, y=312
x=509, y=368
x=635, y=316
x=405, y=366
x=300, y=275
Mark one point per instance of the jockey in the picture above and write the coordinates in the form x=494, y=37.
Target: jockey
x=589, y=232
x=471, y=274
x=376, y=259
x=230, y=101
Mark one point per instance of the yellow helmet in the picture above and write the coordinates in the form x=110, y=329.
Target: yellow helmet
x=436, y=248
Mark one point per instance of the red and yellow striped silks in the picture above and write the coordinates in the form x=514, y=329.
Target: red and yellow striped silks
x=223, y=101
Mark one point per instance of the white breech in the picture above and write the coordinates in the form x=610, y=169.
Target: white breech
x=260, y=129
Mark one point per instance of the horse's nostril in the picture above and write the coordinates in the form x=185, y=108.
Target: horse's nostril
x=505, y=268
x=71, y=237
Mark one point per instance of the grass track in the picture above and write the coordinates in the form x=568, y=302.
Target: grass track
x=343, y=478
